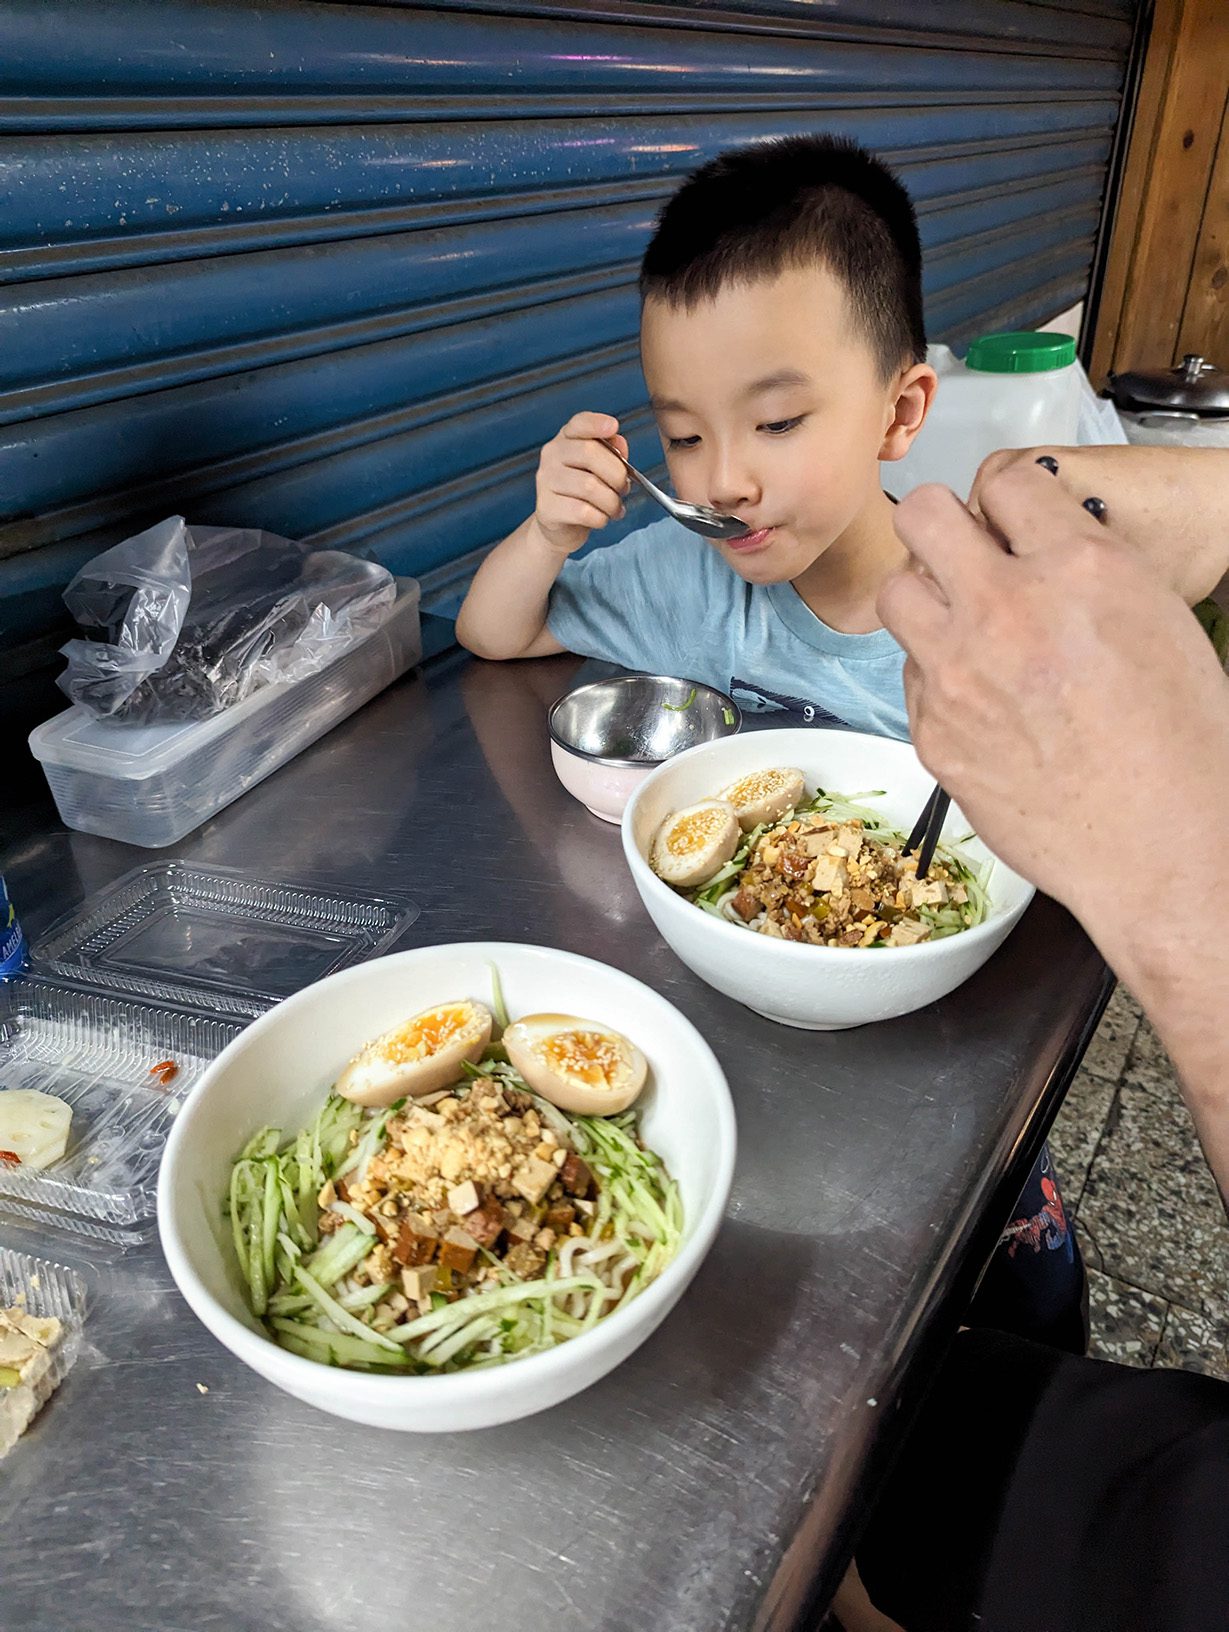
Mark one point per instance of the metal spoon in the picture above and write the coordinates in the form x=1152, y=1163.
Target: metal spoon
x=698, y=517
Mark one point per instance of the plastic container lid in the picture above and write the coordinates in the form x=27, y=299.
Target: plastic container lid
x=1023, y=351
x=98, y=1055
x=132, y=994
x=215, y=940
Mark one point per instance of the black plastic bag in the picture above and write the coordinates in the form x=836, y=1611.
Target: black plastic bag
x=182, y=622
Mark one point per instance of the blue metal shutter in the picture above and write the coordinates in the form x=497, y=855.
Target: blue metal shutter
x=338, y=270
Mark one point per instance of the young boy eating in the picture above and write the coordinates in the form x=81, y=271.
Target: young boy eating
x=783, y=345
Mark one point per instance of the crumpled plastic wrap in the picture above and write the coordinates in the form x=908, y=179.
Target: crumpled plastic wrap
x=181, y=622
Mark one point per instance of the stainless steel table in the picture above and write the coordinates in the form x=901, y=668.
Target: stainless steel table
x=716, y=1480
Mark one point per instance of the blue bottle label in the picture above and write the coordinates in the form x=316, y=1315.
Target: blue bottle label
x=12, y=939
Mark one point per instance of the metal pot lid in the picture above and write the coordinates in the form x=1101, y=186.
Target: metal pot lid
x=1194, y=387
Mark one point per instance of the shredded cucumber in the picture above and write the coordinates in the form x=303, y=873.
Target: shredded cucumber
x=498, y=1007
x=312, y=1306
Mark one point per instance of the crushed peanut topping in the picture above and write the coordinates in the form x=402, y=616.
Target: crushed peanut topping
x=477, y=1138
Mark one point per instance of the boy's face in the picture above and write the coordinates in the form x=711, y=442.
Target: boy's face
x=770, y=406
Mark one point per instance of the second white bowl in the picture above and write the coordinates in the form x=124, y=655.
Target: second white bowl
x=822, y=988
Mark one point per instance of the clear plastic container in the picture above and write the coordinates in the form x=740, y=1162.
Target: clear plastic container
x=95, y=1053
x=161, y=970
x=149, y=785
x=50, y=1291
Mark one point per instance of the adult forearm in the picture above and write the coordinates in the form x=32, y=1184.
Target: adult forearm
x=1081, y=719
x=1180, y=975
x=504, y=614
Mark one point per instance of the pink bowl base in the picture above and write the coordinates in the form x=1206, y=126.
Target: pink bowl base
x=602, y=789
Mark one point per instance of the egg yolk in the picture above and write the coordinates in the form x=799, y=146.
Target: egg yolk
x=428, y=1033
x=691, y=833
x=588, y=1056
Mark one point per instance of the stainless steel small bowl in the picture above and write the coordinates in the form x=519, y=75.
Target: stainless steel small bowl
x=641, y=719
x=606, y=737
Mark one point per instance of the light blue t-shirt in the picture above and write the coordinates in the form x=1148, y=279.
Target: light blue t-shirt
x=663, y=601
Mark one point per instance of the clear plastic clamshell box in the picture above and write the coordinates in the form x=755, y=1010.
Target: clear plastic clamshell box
x=149, y=785
x=48, y=1290
x=161, y=970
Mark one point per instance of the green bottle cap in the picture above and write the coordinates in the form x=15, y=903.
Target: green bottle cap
x=1022, y=352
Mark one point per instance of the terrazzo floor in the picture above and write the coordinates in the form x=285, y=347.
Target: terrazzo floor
x=1150, y=1222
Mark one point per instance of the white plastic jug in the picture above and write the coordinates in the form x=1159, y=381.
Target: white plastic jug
x=1016, y=390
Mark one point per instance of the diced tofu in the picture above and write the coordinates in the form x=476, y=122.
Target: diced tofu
x=377, y=1266
x=522, y=1229
x=458, y=1250
x=419, y=1282
x=533, y=1179
x=417, y=1241
x=486, y=1222
x=927, y=892
x=849, y=837
x=816, y=842
x=908, y=932
x=463, y=1198
x=830, y=873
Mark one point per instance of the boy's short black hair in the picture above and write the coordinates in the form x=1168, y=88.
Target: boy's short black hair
x=797, y=201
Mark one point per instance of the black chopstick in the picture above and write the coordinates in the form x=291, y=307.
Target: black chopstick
x=922, y=825
x=937, y=818
x=926, y=830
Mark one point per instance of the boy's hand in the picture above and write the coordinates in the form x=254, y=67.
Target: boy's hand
x=580, y=481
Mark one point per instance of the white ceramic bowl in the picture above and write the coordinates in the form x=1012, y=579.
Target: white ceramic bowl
x=279, y=1070
x=818, y=987
x=608, y=736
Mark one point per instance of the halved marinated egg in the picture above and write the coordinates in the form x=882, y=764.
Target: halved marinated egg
x=418, y=1057
x=692, y=844
x=579, y=1065
x=33, y=1128
x=764, y=796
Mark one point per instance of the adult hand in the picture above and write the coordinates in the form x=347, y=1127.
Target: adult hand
x=1069, y=702
x=1170, y=504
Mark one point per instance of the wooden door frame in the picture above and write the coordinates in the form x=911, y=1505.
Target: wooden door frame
x=1172, y=137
